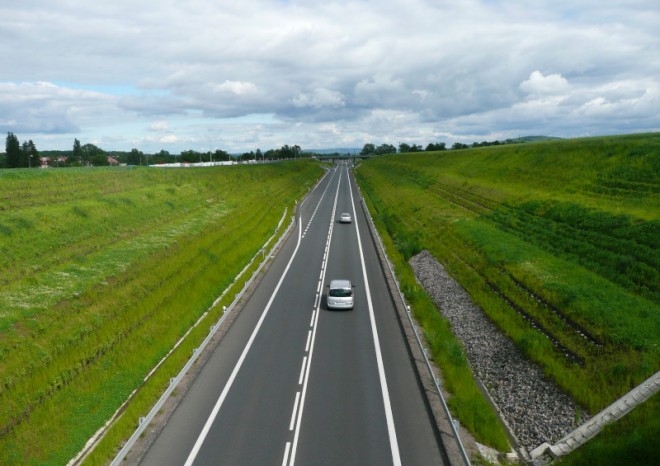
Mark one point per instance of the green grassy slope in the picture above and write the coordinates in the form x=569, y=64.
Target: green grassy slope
x=101, y=272
x=565, y=231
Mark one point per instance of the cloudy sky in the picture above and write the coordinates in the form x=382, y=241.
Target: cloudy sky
x=246, y=74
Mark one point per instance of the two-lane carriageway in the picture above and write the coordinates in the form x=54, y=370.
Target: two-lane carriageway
x=293, y=383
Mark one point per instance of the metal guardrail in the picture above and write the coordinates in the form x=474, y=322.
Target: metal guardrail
x=144, y=421
x=452, y=422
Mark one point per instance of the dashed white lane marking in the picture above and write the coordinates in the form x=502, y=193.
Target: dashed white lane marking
x=315, y=319
x=309, y=223
x=302, y=371
x=309, y=339
x=295, y=411
x=287, y=449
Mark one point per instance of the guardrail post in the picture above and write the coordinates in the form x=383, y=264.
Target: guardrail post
x=457, y=425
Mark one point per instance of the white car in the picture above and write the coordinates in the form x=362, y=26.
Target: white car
x=345, y=218
x=340, y=295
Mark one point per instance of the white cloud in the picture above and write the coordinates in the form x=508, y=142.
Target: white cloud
x=319, y=98
x=161, y=125
x=168, y=139
x=538, y=84
x=376, y=71
x=621, y=101
x=382, y=90
x=237, y=87
x=42, y=107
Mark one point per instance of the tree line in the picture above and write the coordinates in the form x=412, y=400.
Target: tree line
x=19, y=155
x=25, y=155
x=372, y=149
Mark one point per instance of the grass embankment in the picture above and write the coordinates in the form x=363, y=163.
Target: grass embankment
x=560, y=234
x=101, y=272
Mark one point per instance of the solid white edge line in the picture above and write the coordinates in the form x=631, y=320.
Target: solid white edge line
x=394, y=444
x=230, y=381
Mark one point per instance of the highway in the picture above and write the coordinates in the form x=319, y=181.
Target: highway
x=292, y=383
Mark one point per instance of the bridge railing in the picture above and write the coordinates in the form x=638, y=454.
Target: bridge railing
x=547, y=453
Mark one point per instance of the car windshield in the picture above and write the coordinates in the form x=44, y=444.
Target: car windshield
x=340, y=293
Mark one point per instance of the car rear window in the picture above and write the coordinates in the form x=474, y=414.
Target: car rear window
x=340, y=292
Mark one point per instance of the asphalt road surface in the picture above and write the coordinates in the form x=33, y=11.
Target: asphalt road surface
x=294, y=383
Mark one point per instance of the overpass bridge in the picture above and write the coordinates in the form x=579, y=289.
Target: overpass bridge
x=342, y=157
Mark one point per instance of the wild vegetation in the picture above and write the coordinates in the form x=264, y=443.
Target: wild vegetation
x=102, y=270
x=556, y=241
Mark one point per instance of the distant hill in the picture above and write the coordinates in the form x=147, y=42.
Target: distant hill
x=535, y=139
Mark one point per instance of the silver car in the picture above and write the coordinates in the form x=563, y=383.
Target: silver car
x=345, y=218
x=340, y=295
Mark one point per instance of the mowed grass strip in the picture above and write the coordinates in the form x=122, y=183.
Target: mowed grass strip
x=106, y=318
x=565, y=232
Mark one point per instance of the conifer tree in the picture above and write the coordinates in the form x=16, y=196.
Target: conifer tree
x=13, y=150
